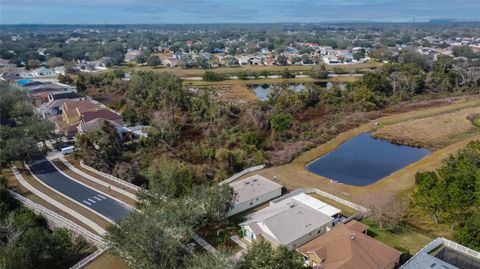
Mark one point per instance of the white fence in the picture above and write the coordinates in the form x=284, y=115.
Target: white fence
x=438, y=242
x=116, y=179
x=88, y=259
x=461, y=249
x=357, y=207
x=239, y=174
x=56, y=220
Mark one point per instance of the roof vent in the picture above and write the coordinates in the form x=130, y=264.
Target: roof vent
x=353, y=236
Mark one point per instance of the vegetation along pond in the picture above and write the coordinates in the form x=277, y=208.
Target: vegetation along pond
x=363, y=160
x=262, y=90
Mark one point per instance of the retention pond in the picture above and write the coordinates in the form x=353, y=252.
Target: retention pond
x=363, y=160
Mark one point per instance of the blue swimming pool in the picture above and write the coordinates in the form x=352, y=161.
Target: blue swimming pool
x=363, y=160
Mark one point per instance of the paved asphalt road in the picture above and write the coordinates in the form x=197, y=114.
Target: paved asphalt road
x=102, y=204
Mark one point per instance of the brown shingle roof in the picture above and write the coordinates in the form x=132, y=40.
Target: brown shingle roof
x=357, y=226
x=100, y=114
x=74, y=107
x=347, y=248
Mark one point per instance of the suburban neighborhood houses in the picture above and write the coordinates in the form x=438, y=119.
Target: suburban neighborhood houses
x=240, y=146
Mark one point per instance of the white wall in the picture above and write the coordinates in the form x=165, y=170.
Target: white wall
x=308, y=237
x=254, y=202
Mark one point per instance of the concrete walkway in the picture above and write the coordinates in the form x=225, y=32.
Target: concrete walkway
x=238, y=241
x=60, y=206
x=96, y=180
x=242, y=244
x=204, y=244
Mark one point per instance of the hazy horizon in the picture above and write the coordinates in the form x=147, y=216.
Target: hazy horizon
x=234, y=11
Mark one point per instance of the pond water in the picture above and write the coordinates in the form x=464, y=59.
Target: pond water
x=262, y=90
x=363, y=160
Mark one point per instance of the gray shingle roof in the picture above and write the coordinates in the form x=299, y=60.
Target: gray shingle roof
x=288, y=221
x=251, y=187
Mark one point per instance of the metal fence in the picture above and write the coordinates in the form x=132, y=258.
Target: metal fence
x=239, y=174
x=58, y=221
x=116, y=179
x=89, y=258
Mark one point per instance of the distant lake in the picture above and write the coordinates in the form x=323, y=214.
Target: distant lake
x=363, y=160
x=262, y=90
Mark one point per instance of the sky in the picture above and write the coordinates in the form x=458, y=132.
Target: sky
x=232, y=11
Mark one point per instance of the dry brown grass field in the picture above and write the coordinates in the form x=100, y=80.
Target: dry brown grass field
x=432, y=132
x=237, y=91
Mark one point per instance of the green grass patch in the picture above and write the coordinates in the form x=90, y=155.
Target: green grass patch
x=476, y=121
x=403, y=238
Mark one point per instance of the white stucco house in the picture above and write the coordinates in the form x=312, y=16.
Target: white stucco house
x=290, y=222
x=252, y=191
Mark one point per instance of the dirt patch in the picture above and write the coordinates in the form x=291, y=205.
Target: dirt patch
x=432, y=132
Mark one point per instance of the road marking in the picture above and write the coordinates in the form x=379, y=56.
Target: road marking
x=97, y=198
x=91, y=200
x=101, y=196
x=86, y=202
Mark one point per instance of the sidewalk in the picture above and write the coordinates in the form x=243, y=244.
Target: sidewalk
x=94, y=183
x=38, y=187
x=84, y=171
x=57, y=204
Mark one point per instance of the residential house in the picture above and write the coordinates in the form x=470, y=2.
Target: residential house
x=252, y=191
x=73, y=110
x=290, y=222
x=242, y=59
x=269, y=61
x=54, y=107
x=132, y=55
x=331, y=60
x=442, y=253
x=68, y=94
x=347, y=246
x=96, y=124
x=105, y=114
x=39, y=73
x=170, y=62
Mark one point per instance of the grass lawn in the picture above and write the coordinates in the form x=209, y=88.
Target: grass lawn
x=107, y=261
x=406, y=239
x=476, y=121
x=419, y=219
x=346, y=210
